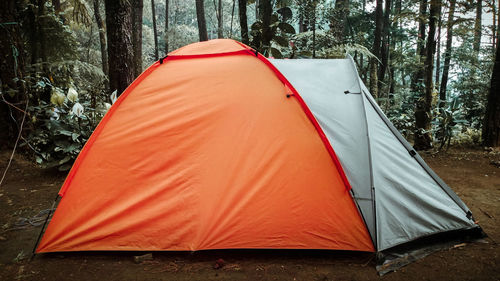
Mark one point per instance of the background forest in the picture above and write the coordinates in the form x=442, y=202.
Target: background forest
x=430, y=64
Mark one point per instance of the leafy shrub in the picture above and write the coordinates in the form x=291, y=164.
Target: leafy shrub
x=61, y=128
x=63, y=118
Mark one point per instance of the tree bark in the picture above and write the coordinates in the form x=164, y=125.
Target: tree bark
x=314, y=30
x=376, y=48
x=242, y=10
x=137, y=10
x=220, y=29
x=155, y=31
x=423, y=114
x=447, y=54
x=266, y=11
x=257, y=10
x=119, y=37
x=477, y=31
x=202, y=23
x=384, y=49
x=232, y=18
x=102, y=37
x=438, y=50
x=166, y=26
x=42, y=39
x=491, y=123
x=12, y=66
x=494, y=26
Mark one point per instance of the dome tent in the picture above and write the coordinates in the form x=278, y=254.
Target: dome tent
x=216, y=147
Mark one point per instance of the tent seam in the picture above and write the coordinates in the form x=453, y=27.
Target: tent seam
x=147, y=72
x=370, y=158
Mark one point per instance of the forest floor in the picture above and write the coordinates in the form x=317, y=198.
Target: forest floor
x=28, y=189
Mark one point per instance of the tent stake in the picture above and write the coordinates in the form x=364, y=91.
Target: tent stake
x=43, y=227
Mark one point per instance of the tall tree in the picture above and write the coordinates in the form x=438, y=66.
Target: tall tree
x=232, y=18
x=242, y=11
x=202, y=23
x=102, y=37
x=447, y=53
x=491, y=123
x=376, y=48
x=220, y=22
x=494, y=26
x=266, y=10
x=119, y=37
x=423, y=137
x=477, y=31
x=166, y=26
x=314, y=28
x=155, y=31
x=137, y=8
x=384, y=49
x=438, y=49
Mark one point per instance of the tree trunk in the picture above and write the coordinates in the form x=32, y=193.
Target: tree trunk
x=220, y=30
x=491, y=123
x=242, y=10
x=384, y=50
x=438, y=50
x=477, y=32
x=155, y=32
x=42, y=40
x=166, y=26
x=494, y=26
x=314, y=30
x=423, y=114
x=102, y=37
x=257, y=8
x=266, y=11
x=33, y=34
x=202, y=23
x=447, y=54
x=137, y=35
x=119, y=37
x=12, y=67
x=232, y=17
x=376, y=48
x=56, y=4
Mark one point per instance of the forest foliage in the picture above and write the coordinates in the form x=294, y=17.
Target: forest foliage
x=428, y=63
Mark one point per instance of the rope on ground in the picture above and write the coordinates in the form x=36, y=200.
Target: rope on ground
x=17, y=141
x=35, y=221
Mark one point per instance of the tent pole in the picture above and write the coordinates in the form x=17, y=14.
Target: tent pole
x=43, y=227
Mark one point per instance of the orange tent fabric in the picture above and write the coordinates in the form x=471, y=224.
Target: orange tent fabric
x=210, y=149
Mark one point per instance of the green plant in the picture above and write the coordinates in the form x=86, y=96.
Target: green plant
x=446, y=122
x=61, y=128
x=280, y=32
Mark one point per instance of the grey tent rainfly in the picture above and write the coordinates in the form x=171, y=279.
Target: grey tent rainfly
x=301, y=159
x=400, y=198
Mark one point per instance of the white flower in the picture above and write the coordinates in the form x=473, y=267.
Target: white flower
x=57, y=97
x=113, y=97
x=55, y=114
x=77, y=109
x=72, y=95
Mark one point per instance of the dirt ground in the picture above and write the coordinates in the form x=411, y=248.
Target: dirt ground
x=27, y=190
